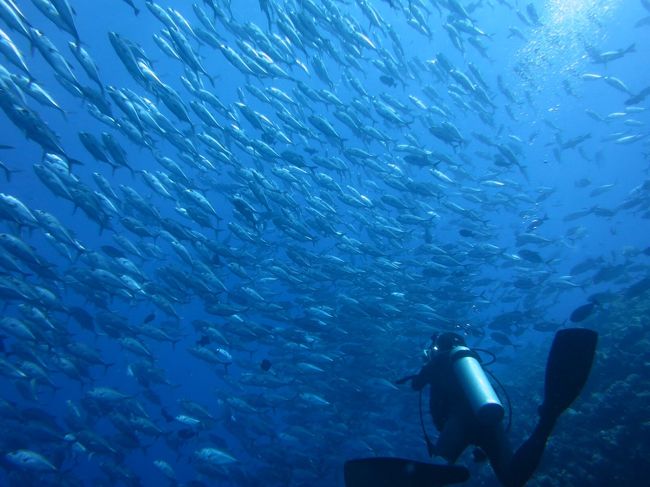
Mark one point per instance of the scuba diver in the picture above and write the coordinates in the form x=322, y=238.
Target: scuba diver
x=467, y=411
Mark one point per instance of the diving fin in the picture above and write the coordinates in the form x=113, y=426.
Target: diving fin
x=400, y=472
x=567, y=369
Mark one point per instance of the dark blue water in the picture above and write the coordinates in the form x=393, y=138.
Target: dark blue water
x=339, y=292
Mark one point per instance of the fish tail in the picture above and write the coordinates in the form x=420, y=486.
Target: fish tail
x=174, y=342
x=80, y=250
x=32, y=46
x=106, y=366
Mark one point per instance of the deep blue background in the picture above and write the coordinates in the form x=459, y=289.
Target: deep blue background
x=554, y=54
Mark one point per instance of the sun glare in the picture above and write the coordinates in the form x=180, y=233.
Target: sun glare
x=557, y=46
x=566, y=11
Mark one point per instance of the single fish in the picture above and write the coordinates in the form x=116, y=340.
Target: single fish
x=583, y=312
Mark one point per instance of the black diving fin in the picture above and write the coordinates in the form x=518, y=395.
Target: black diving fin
x=567, y=369
x=400, y=472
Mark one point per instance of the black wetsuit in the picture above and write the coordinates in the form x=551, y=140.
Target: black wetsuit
x=453, y=417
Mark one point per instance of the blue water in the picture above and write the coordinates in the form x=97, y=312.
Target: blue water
x=369, y=327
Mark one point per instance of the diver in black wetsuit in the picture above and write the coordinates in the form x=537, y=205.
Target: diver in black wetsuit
x=450, y=408
x=467, y=411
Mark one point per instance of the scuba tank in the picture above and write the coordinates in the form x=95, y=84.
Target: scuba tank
x=484, y=402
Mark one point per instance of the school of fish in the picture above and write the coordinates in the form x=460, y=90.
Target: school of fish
x=279, y=201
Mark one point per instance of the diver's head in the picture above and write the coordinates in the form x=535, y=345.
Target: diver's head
x=442, y=342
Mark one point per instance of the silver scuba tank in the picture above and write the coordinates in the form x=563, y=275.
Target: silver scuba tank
x=480, y=394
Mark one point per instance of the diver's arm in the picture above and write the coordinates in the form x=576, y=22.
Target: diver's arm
x=425, y=376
